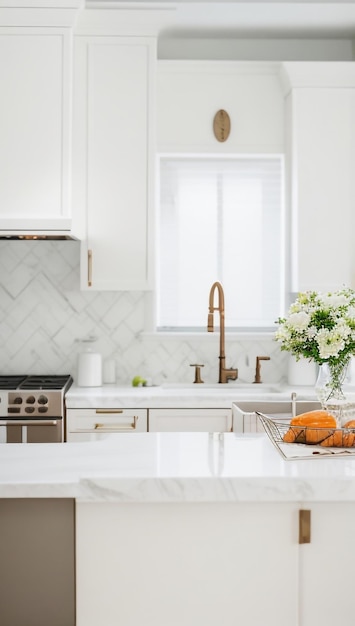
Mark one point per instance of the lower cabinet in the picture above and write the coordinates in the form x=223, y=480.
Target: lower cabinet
x=100, y=423
x=190, y=420
x=210, y=564
x=37, y=562
x=326, y=566
x=187, y=564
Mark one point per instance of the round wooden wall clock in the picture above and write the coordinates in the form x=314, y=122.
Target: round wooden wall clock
x=221, y=125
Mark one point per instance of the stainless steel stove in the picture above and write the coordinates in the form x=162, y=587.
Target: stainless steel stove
x=32, y=408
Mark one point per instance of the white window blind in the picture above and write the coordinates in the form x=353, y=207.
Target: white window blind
x=220, y=219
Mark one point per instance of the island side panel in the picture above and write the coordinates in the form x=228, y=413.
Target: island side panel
x=159, y=564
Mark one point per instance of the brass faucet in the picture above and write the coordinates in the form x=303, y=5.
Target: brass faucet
x=225, y=374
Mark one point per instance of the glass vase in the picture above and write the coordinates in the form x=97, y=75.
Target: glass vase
x=330, y=390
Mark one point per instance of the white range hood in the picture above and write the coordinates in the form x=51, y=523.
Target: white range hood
x=52, y=228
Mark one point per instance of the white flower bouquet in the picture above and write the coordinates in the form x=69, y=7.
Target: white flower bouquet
x=320, y=327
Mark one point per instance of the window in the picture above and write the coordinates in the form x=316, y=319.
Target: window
x=221, y=218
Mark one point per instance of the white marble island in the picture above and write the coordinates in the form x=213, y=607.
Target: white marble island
x=172, y=467
x=197, y=529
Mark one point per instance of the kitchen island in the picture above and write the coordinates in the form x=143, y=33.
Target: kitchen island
x=198, y=528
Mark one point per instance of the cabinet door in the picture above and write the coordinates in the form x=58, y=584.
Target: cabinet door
x=35, y=129
x=326, y=566
x=116, y=160
x=190, y=420
x=322, y=139
x=194, y=564
x=100, y=423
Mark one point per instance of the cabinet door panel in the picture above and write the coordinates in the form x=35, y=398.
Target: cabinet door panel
x=191, y=564
x=34, y=129
x=116, y=144
x=323, y=193
x=326, y=566
x=37, y=562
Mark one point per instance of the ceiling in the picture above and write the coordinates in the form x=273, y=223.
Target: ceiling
x=262, y=18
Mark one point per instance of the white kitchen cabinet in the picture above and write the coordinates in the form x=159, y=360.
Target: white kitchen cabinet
x=35, y=127
x=100, y=423
x=320, y=105
x=190, y=420
x=187, y=563
x=326, y=566
x=214, y=564
x=113, y=160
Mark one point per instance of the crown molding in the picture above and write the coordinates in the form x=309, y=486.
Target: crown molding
x=317, y=74
x=39, y=13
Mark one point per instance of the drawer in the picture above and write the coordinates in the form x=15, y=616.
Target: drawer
x=190, y=420
x=91, y=424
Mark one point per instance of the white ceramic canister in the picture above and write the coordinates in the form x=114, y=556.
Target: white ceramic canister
x=302, y=372
x=89, y=369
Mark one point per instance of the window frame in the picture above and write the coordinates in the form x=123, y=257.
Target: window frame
x=285, y=238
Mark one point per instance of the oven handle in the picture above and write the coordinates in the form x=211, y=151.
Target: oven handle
x=28, y=422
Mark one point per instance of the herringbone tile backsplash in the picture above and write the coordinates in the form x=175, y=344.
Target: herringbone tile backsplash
x=44, y=315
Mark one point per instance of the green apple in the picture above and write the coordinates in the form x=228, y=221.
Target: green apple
x=138, y=381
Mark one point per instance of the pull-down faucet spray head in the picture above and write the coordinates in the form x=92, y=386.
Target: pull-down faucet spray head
x=225, y=374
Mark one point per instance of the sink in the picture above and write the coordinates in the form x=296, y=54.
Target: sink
x=249, y=388
x=246, y=420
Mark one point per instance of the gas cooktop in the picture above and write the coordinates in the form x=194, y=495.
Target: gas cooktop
x=35, y=382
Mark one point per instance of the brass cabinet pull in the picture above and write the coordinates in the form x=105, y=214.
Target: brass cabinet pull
x=109, y=428
x=304, y=522
x=89, y=268
x=109, y=411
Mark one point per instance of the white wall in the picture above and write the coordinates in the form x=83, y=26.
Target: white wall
x=189, y=93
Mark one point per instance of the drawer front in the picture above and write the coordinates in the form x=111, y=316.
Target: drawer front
x=190, y=420
x=92, y=424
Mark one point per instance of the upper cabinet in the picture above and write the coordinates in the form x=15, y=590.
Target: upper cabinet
x=320, y=106
x=113, y=159
x=35, y=120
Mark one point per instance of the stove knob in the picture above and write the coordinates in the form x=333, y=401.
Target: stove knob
x=17, y=400
x=42, y=400
x=30, y=400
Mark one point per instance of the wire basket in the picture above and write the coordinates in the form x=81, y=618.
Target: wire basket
x=302, y=442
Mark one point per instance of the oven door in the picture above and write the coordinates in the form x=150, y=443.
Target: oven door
x=31, y=431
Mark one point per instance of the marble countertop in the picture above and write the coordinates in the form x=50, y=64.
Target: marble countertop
x=172, y=467
x=179, y=395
